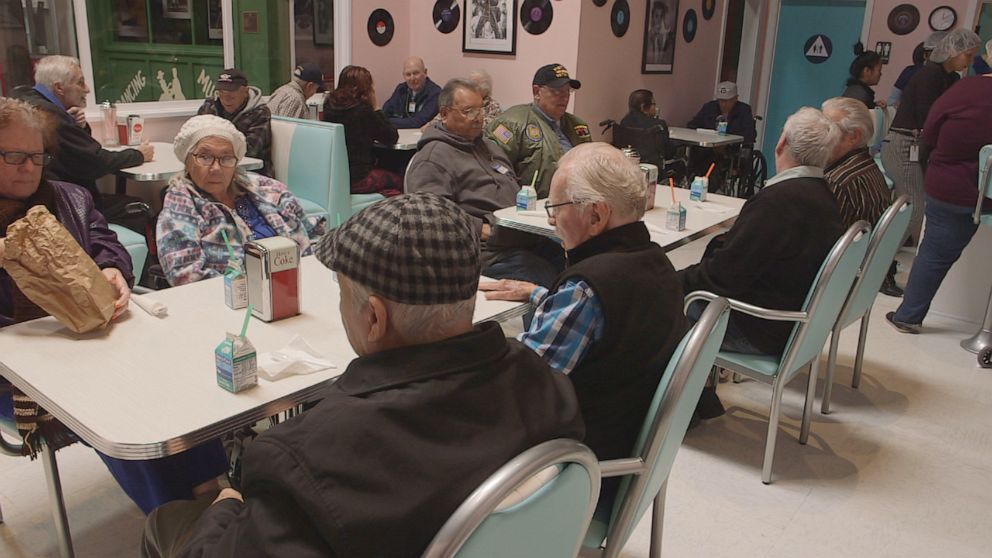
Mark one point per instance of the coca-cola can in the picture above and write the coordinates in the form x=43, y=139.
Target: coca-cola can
x=135, y=126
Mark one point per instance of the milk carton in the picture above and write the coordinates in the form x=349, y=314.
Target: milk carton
x=235, y=286
x=675, y=218
x=697, y=191
x=651, y=181
x=237, y=363
x=527, y=199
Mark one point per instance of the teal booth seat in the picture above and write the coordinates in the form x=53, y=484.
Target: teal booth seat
x=814, y=322
x=646, y=472
x=136, y=246
x=885, y=241
x=537, y=504
x=311, y=158
x=882, y=119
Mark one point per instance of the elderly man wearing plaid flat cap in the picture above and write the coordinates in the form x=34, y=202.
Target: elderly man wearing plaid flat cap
x=430, y=408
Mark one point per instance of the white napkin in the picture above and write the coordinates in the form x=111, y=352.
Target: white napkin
x=529, y=213
x=150, y=305
x=297, y=358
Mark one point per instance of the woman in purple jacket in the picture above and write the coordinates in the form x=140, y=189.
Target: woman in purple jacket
x=26, y=140
x=958, y=125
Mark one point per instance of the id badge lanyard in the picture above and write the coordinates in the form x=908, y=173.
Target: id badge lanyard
x=914, y=148
x=411, y=104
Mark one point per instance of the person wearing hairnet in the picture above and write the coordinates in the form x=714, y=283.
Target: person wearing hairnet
x=901, y=151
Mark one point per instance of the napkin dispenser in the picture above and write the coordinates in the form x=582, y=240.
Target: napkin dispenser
x=272, y=266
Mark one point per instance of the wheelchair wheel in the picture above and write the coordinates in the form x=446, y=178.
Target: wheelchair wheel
x=759, y=170
x=985, y=357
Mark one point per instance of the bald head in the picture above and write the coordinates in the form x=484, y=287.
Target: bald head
x=414, y=73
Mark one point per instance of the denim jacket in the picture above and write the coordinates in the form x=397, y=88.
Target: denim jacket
x=189, y=231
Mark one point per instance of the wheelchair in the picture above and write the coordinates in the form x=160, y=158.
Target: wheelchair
x=653, y=144
x=747, y=173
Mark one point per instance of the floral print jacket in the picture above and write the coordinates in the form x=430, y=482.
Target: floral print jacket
x=189, y=231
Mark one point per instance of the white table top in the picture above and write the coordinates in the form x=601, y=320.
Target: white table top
x=165, y=164
x=408, y=139
x=704, y=138
x=702, y=218
x=146, y=387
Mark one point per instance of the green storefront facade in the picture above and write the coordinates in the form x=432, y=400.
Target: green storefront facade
x=164, y=50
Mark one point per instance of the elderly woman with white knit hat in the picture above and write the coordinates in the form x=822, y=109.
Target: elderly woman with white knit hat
x=213, y=198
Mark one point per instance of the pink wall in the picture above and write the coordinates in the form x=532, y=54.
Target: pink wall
x=903, y=45
x=612, y=66
x=384, y=62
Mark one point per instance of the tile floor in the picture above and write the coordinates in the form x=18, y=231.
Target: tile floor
x=903, y=467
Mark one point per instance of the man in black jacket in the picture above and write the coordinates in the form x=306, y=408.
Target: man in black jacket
x=431, y=407
x=244, y=107
x=60, y=90
x=772, y=254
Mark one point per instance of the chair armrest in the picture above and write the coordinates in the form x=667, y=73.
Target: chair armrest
x=757, y=311
x=621, y=467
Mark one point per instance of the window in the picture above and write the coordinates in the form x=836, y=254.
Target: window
x=29, y=31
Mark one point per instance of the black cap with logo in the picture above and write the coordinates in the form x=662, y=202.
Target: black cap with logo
x=231, y=79
x=555, y=75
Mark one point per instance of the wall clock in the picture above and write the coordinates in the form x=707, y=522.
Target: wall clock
x=943, y=18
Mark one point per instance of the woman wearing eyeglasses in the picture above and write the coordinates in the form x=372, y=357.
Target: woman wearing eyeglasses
x=212, y=197
x=26, y=138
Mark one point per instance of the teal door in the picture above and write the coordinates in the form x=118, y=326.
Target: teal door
x=814, y=48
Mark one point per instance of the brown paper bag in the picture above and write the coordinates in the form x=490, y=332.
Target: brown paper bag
x=54, y=272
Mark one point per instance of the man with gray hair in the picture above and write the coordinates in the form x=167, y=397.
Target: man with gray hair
x=291, y=99
x=60, y=90
x=856, y=181
x=490, y=107
x=614, y=317
x=454, y=160
x=429, y=409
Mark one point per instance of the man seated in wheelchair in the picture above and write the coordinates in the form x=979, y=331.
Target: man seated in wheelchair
x=739, y=120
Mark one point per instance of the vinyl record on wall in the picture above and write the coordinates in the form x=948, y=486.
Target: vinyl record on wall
x=446, y=15
x=709, y=8
x=689, y=26
x=536, y=16
x=599, y=3
x=381, y=27
x=620, y=18
x=903, y=19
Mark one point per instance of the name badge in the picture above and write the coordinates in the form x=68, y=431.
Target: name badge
x=500, y=167
x=411, y=107
x=914, y=153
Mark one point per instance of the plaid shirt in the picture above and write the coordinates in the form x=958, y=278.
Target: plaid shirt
x=566, y=324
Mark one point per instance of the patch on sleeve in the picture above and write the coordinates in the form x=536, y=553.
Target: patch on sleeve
x=502, y=134
x=534, y=132
x=582, y=130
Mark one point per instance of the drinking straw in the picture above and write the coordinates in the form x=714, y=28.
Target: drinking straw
x=709, y=171
x=671, y=186
x=244, y=326
x=339, y=218
x=230, y=250
x=534, y=180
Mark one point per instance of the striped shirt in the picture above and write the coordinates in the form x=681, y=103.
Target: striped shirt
x=567, y=322
x=859, y=187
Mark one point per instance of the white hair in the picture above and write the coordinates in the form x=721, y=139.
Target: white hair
x=810, y=137
x=854, y=116
x=599, y=172
x=483, y=80
x=55, y=69
x=416, y=323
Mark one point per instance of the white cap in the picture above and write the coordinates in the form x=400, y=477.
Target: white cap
x=726, y=90
x=203, y=126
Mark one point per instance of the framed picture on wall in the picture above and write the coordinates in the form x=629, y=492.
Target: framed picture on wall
x=660, y=27
x=323, y=23
x=131, y=19
x=177, y=9
x=215, y=22
x=490, y=26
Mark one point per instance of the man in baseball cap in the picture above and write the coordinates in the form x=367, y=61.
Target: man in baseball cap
x=429, y=409
x=535, y=135
x=740, y=121
x=291, y=99
x=243, y=105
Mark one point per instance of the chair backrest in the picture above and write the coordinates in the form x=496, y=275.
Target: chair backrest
x=667, y=420
x=550, y=522
x=882, y=119
x=651, y=143
x=885, y=241
x=826, y=298
x=984, y=180
x=311, y=159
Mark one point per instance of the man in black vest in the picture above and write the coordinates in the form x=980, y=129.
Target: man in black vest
x=431, y=407
x=772, y=254
x=614, y=317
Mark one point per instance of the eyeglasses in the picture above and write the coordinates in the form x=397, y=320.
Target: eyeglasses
x=19, y=157
x=471, y=114
x=205, y=160
x=548, y=206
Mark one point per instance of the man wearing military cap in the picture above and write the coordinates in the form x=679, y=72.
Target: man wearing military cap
x=429, y=409
x=536, y=135
x=244, y=106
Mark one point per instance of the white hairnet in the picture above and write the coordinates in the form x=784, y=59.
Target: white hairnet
x=954, y=43
x=933, y=39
